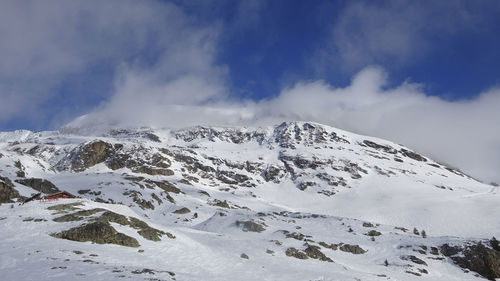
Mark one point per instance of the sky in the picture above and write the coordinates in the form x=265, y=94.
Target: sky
x=422, y=73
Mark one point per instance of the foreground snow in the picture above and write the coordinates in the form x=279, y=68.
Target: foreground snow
x=303, y=183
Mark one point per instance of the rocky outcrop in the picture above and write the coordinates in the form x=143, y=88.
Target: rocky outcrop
x=7, y=191
x=310, y=251
x=353, y=249
x=92, y=154
x=97, y=232
x=476, y=257
x=251, y=226
x=41, y=185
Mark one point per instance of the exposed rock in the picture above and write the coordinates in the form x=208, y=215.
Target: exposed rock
x=7, y=191
x=353, y=249
x=182, y=211
x=296, y=235
x=273, y=173
x=414, y=259
x=251, y=226
x=65, y=208
x=314, y=253
x=305, y=185
x=413, y=155
x=97, y=232
x=434, y=251
x=20, y=169
x=91, y=154
x=310, y=251
x=329, y=246
x=166, y=186
x=476, y=257
x=153, y=171
x=230, y=177
x=373, y=233
x=377, y=146
x=292, y=252
x=222, y=204
x=78, y=216
x=40, y=185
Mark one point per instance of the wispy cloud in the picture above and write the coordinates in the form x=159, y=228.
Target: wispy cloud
x=459, y=133
x=167, y=75
x=395, y=32
x=44, y=42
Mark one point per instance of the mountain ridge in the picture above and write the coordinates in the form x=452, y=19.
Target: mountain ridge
x=256, y=184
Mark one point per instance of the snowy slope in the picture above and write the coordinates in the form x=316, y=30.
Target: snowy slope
x=264, y=192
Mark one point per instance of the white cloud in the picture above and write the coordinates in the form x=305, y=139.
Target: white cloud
x=43, y=42
x=460, y=133
x=395, y=32
x=180, y=84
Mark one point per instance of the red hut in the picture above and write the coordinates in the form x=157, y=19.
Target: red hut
x=58, y=195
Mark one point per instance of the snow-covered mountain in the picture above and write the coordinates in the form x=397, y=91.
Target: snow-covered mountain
x=298, y=201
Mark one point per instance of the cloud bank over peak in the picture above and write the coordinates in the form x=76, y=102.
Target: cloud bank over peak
x=459, y=133
x=162, y=67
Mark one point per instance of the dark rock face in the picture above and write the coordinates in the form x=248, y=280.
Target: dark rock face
x=97, y=232
x=476, y=257
x=100, y=231
x=414, y=259
x=92, y=154
x=7, y=191
x=41, y=185
x=273, y=173
x=292, y=252
x=314, y=253
x=329, y=246
x=373, y=233
x=138, y=159
x=251, y=226
x=353, y=249
x=413, y=155
x=152, y=171
x=310, y=251
x=182, y=211
x=377, y=146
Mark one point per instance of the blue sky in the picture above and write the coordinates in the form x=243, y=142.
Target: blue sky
x=422, y=73
x=450, y=49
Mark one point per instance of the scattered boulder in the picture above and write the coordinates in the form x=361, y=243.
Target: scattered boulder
x=182, y=211
x=221, y=204
x=310, y=251
x=414, y=259
x=314, y=253
x=292, y=252
x=251, y=226
x=329, y=246
x=373, y=233
x=353, y=249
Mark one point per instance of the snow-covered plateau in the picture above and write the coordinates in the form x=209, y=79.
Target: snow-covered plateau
x=297, y=201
